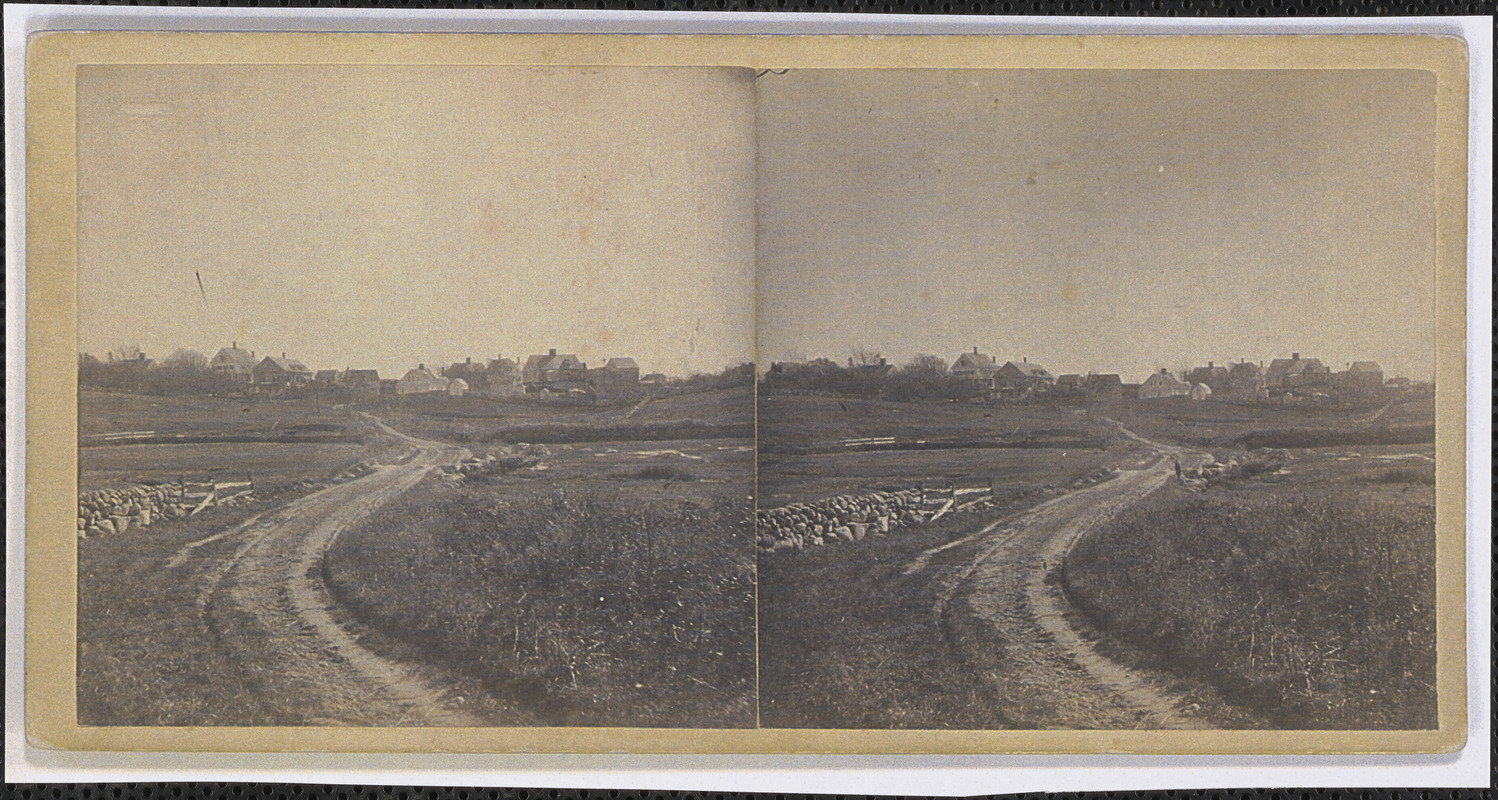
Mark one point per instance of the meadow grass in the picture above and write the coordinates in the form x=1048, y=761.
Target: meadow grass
x=599, y=602
x=1310, y=606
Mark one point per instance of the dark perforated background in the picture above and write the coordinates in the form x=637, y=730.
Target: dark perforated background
x=1141, y=8
x=229, y=791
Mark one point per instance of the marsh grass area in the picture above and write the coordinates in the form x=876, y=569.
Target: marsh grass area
x=616, y=587
x=1305, y=595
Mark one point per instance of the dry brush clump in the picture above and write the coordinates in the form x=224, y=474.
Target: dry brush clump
x=1309, y=610
x=586, y=606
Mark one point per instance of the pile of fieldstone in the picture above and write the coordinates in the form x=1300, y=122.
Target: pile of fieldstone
x=842, y=519
x=110, y=511
x=497, y=462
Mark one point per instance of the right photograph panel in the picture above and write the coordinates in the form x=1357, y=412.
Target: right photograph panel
x=1096, y=399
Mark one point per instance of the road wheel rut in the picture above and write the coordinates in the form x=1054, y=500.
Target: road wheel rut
x=1005, y=614
x=269, y=607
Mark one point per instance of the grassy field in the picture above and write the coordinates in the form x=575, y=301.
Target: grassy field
x=270, y=466
x=468, y=420
x=106, y=412
x=798, y=423
x=264, y=440
x=1305, y=594
x=615, y=587
x=1407, y=420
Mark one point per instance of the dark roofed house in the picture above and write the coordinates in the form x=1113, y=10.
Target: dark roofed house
x=1288, y=373
x=1163, y=384
x=1021, y=378
x=361, y=381
x=1245, y=384
x=974, y=366
x=327, y=376
x=1069, y=384
x=622, y=369
x=1212, y=376
x=283, y=371
x=233, y=361
x=501, y=377
x=553, y=371
x=1103, y=387
x=617, y=376
x=420, y=381
x=473, y=374
x=1362, y=378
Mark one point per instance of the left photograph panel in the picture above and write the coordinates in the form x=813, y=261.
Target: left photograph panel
x=415, y=396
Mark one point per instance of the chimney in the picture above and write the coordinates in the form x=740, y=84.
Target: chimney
x=975, y=349
x=1024, y=359
x=252, y=354
x=283, y=353
x=234, y=345
x=421, y=366
x=1295, y=356
x=468, y=360
x=1163, y=371
x=552, y=351
x=1210, y=365
x=882, y=362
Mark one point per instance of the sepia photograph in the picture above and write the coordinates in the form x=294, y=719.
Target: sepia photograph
x=405, y=399
x=1097, y=399
x=746, y=395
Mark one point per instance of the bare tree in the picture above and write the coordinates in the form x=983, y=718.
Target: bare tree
x=865, y=357
x=927, y=365
x=185, y=360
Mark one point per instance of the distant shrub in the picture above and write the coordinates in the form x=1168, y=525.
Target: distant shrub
x=663, y=472
x=1424, y=477
x=1332, y=437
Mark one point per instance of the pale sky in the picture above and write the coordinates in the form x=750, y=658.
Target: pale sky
x=1093, y=220
x=382, y=216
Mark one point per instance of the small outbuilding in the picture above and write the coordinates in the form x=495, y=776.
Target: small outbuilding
x=1200, y=391
x=457, y=387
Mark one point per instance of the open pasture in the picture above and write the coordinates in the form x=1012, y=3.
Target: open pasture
x=103, y=413
x=1213, y=424
x=802, y=422
x=270, y=465
x=267, y=440
x=470, y=420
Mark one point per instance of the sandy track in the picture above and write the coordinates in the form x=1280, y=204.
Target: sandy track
x=1006, y=615
x=269, y=607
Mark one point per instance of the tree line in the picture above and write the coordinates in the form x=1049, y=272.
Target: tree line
x=924, y=377
x=127, y=369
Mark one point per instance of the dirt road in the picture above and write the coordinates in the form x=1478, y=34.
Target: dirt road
x=1007, y=609
x=267, y=606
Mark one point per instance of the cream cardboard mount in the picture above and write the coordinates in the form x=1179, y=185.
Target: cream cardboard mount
x=619, y=218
